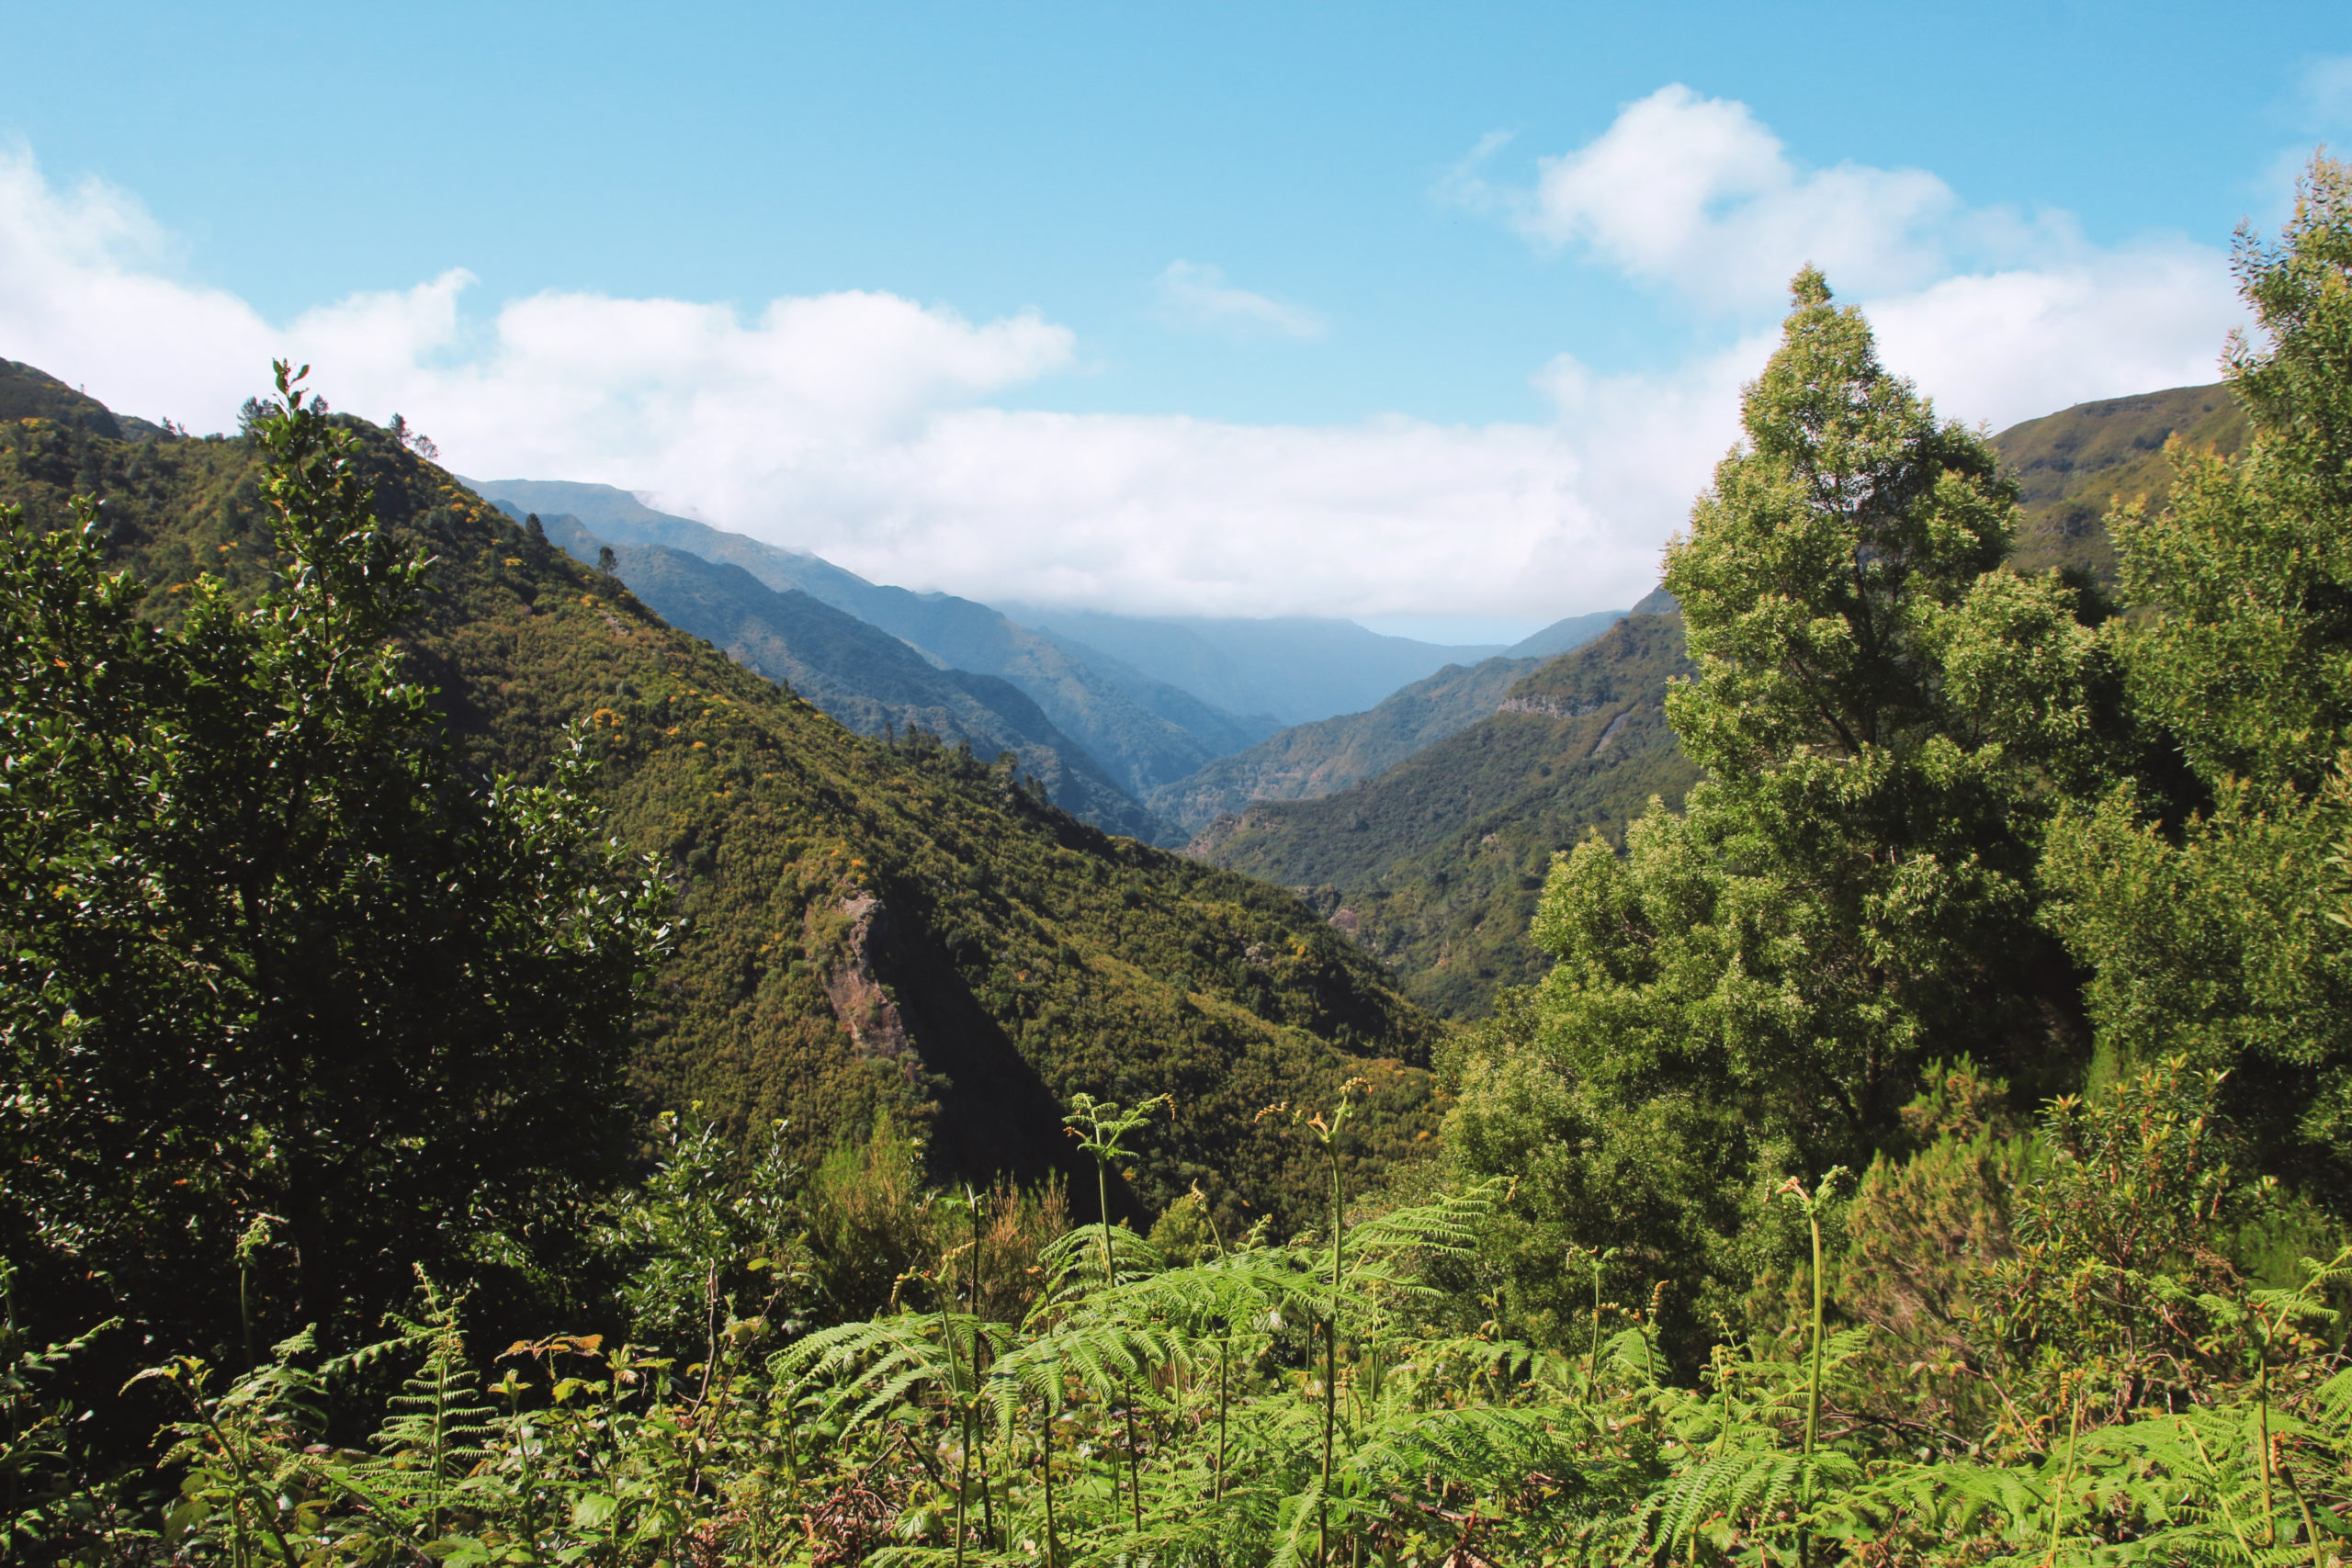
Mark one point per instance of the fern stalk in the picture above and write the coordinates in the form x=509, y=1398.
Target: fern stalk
x=1813, y=1383
x=1046, y=1469
x=954, y=1401
x=1331, y=1341
x=988, y=1499
x=2066, y=1476
x=2220, y=1493
x=1224, y=1351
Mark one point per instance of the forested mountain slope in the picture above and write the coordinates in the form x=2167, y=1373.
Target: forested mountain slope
x=1569, y=631
x=870, y=932
x=1144, y=732
x=1311, y=760
x=2073, y=467
x=1435, y=865
x=1308, y=760
x=30, y=393
x=861, y=675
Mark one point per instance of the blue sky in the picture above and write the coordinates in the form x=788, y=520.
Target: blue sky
x=1257, y=218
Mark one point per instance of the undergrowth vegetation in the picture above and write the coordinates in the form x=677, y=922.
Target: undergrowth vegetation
x=1929, y=1148
x=1035, y=1392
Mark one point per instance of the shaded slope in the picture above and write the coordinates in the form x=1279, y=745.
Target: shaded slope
x=1435, y=865
x=1307, y=761
x=866, y=679
x=1144, y=732
x=2073, y=467
x=869, y=930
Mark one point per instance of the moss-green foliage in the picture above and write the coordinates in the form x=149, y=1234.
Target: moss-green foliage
x=2074, y=467
x=288, y=1002
x=1435, y=865
x=27, y=393
x=869, y=931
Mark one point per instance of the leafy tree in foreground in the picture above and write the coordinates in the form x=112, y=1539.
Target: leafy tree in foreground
x=1883, y=713
x=288, y=1004
x=2225, y=935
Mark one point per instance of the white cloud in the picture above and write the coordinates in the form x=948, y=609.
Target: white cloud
x=2005, y=347
x=856, y=425
x=1996, y=314
x=861, y=425
x=1696, y=194
x=1195, y=294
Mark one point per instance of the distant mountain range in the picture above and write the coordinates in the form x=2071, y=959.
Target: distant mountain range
x=1327, y=756
x=1297, y=669
x=860, y=675
x=1141, y=732
x=1421, y=817
x=1308, y=760
x=1434, y=865
x=1109, y=712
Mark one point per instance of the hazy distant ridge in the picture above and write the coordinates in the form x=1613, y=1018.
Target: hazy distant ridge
x=1142, y=732
x=860, y=675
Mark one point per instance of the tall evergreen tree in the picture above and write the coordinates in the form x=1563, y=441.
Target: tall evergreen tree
x=1882, y=712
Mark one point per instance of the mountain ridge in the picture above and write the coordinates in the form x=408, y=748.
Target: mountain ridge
x=1143, y=732
x=2074, y=465
x=1435, y=864
x=1307, y=761
x=860, y=675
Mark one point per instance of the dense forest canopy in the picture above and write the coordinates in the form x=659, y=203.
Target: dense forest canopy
x=1928, y=1146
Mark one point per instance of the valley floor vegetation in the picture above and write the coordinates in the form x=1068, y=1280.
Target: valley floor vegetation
x=1933, y=1144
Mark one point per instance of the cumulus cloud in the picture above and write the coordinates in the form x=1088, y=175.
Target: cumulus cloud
x=868, y=427
x=858, y=425
x=1999, y=314
x=1195, y=294
x=1696, y=195
x=2004, y=346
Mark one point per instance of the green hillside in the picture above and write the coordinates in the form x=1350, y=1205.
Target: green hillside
x=1307, y=761
x=27, y=393
x=2074, y=465
x=870, y=931
x=1435, y=865
x=1144, y=732
x=1322, y=757
x=1567, y=632
x=860, y=675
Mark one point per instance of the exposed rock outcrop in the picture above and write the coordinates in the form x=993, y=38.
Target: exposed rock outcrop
x=858, y=999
